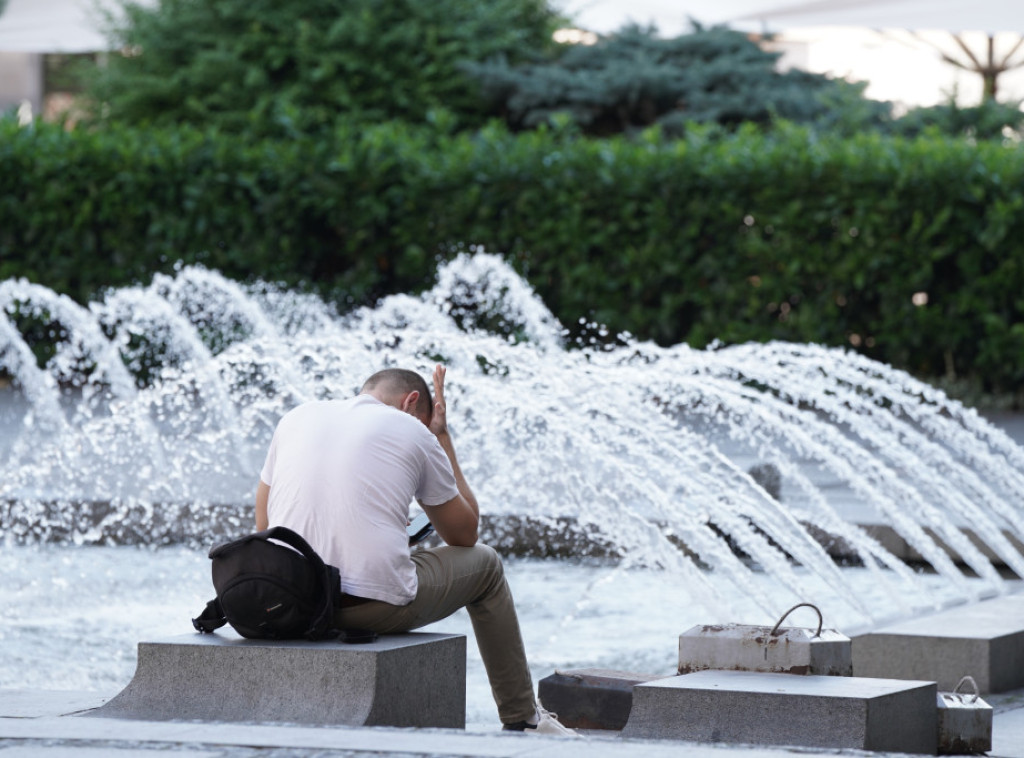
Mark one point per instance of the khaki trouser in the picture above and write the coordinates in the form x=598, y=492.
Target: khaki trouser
x=451, y=578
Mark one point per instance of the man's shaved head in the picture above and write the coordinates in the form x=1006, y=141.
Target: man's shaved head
x=395, y=383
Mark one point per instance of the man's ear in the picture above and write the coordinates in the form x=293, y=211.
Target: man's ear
x=409, y=402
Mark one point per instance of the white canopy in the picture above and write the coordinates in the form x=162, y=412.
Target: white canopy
x=778, y=15
x=55, y=26
x=989, y=16
x=72, y=26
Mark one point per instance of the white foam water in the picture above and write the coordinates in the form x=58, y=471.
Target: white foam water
x=75, y=614
x=152, y=411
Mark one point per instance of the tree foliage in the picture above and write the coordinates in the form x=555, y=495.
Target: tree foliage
x=989, y=120
x=267, y=67
x=634, y=79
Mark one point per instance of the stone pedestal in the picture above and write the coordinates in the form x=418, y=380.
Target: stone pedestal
x=415, y=679
x=740, y=647
x=780, y=709
x=965, y=724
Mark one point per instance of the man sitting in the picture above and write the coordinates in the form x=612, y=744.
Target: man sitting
x=342, y=473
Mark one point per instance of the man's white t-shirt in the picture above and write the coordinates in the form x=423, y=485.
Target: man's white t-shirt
x=343, y=473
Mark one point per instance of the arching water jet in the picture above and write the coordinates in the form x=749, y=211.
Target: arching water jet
x=646, y=448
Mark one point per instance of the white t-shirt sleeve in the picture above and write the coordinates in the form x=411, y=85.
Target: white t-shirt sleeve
x=267, y=472
x=437, y=484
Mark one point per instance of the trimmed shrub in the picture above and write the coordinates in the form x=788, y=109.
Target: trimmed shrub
x=910, y=250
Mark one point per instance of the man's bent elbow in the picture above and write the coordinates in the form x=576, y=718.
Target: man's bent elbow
x=456, y=523
x=468, y=539
x=463, y=534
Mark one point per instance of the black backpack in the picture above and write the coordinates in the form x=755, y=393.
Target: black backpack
x=268, y=591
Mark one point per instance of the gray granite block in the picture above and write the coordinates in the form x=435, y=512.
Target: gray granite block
x=780, y=709
x=591, y=698
x=984, y=640
x=415, y=679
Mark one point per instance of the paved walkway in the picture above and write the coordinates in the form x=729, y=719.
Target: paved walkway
x=1007, y=724
x=52, y=725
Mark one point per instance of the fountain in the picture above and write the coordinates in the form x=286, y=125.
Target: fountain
x=145, y=422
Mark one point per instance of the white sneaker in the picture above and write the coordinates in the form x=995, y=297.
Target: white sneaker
x=547, y=723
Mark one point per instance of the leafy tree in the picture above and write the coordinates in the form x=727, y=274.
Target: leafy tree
x=633, y=79
x=270, y=67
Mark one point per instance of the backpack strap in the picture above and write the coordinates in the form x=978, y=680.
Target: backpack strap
x=279, y=533
x=294, y=539
x=211, y=618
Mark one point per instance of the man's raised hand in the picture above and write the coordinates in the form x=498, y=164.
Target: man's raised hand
x=439, y=420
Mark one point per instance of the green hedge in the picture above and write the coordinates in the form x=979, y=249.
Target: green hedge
x=750, y=236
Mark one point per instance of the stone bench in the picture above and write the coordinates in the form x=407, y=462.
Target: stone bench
x=782, y=709
x=984, y=640
x=410, y=680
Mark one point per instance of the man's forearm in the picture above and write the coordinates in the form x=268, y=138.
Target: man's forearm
x=262, y=496
x=460, y=480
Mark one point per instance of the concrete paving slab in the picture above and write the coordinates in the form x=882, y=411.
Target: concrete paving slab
x=1008, y=734
x=1007, y=724
x=984, y=640
x=66, y=751
x=36, y=703
x=45, y=736
x=305, y=740
x=415, y=679
x=782, y=709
